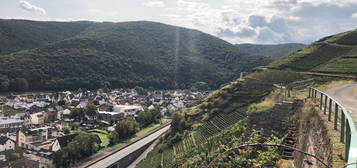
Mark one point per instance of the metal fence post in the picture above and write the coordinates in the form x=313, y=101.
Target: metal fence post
x=321, y=97
x=336, y=116
x=348, y=140
x=342, y=138
x=325, y=105
x=330, y=110
x=315, y=95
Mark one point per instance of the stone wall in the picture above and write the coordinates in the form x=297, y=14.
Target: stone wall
x=313, y=139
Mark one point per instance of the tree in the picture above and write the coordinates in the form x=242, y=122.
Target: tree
x=140, y=90
x=83, y=146
x=4, y=85
x=126, y=128
x=148, y=117
x=145, y=118
x=113, y=138
x=66, y=131
x=179, y=122
x=19, y=84
x=77, y=114
x=91, y=110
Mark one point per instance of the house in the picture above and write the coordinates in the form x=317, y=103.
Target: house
x=6, y=144
x=110, y=117
x=26, y=137
x=50, y=114
x=66, y=112
x=127, y=109
x=42, y=156
x=10, y=124
x=62, y=141
x=118, y=112
x=38, y=118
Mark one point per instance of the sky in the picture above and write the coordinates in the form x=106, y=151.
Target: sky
x=236, y=21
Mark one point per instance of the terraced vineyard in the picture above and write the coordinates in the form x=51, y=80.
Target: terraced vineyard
x=333, y=54
x=194, y=139
x=220, y=110
x=203, y=133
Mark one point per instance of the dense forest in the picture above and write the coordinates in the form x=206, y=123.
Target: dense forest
x=71, y=55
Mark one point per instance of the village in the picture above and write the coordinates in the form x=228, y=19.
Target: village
x=33, y=126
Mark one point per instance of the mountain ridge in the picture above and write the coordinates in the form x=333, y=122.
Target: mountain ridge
x=124, y=54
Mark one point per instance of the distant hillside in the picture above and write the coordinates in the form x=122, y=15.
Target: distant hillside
x=16, y=35
x=333, y=54
x=274, y=51
x=71, y=55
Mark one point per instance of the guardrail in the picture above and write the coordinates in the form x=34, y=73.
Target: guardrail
x=348, y=131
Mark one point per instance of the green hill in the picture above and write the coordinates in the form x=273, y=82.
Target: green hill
x=220, y=122
x=275, y=51
x=16, y=35
x=71, y=55
x=333, y=54
x=200, y=133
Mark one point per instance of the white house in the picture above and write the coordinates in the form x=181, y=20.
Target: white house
x=38, y=118
x=129, y=109
x=66, y=112
x=6, y=144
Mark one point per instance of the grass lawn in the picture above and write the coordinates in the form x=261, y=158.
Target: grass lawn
x=103, y=137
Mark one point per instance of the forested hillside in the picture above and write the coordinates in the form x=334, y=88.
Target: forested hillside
x=275, y=51
x=16, y=35
x=60, y=55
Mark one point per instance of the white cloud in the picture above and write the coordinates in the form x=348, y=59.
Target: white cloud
x=267, y=21
x=31, y=8
x=154, y=4
x=237, y=21
x=354, y=15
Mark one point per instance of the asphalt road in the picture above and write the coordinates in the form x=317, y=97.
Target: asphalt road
x=108, y=161
x=345, y=94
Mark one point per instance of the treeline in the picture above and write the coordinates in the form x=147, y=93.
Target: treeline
x=17, y=84
x=23, y=84
x=83, y=146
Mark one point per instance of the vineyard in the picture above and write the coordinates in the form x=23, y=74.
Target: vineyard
x=214, y=126
x=221, y=110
